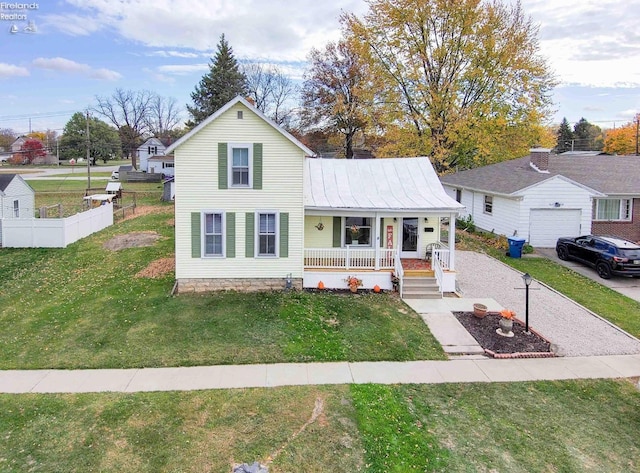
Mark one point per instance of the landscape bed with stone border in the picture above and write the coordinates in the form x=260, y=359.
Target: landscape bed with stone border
x=521, y=345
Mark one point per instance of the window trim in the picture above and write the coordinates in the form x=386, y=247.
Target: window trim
x=256, y=232
x=16, y=208
x=459, y=196
x=372, y=231
x=203, y=233
x=487, y=204
x=620, y=218
x=230, y=148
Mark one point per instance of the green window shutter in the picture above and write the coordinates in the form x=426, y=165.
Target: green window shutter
x=223, y=176
x=231, y=235
x=382, y=235
x=195, y=235
x=257, y=165
x=284, y=235
x=249, y=234
x=337, y=232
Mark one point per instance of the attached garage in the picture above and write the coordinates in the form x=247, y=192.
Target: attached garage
x=547, y=225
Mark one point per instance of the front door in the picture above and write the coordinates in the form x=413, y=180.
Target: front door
x=409, y=238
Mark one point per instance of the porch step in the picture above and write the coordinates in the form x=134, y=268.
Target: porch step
x=414, y=287
x=427, y=273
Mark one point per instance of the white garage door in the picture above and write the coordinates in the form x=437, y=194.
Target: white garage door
x=546, y=226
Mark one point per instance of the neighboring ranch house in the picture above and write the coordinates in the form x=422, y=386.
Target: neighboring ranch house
x=542, y=197
x=256, y=210
x=161, y=165
x=17, y=198
x=151, y=147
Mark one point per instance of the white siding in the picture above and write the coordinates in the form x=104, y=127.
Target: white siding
x=557, y=193
x=504, y=218
x=512, y=214
x=19, y=190
x=196, y=169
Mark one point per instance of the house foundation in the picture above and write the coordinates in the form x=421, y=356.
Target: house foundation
x=202, y=285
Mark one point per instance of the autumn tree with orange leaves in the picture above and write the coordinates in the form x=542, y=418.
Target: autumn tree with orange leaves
x=458, y=77
x=622, y=140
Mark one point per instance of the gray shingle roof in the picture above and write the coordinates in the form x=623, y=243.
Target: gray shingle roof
x=614, y=175
x=5, y=179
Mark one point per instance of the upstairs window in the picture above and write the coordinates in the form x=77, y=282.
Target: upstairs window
x=16, y=208
x=240, y=169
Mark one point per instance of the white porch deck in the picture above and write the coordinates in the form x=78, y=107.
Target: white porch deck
x=373, y=265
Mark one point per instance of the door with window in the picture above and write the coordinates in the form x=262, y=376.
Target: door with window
x=409, y=248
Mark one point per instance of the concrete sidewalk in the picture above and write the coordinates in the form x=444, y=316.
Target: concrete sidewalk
x=263, y=376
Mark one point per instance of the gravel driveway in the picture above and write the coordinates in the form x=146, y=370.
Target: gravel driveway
x=571, y=327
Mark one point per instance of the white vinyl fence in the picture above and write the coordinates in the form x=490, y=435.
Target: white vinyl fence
x=54, y=232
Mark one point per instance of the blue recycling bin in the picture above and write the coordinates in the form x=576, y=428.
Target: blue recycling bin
x=515, y=246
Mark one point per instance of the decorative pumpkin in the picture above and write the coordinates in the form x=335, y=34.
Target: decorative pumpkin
x=321, y=285
x=376, y=289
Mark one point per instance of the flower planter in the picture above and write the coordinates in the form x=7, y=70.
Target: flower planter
x=353, y=288
x=506, y=327
x=479, y=310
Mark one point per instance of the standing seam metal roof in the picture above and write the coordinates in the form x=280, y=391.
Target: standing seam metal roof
x=374, y=184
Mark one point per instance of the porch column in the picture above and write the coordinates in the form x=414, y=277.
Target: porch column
x=378, y=220
x=452, y=241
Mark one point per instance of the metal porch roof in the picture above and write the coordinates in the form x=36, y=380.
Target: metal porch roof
x=375, y=184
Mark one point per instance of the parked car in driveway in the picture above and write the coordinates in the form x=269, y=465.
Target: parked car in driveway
x=608, y=255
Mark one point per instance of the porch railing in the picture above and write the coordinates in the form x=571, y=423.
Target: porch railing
x=440, y=263
x=349, y=258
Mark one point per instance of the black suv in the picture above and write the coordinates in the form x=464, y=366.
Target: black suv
x=608, y=255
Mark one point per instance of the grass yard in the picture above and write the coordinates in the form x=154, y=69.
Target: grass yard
x=70, y=193
x=613, y=306
x=84, y=307
x=567, y=426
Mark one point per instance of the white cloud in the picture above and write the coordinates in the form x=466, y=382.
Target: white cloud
x=180, y=54
x=64, y=65
x=10, y=70
x=183, y=69
x=277, y=29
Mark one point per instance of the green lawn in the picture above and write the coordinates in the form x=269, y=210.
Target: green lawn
x=83, y=307
x=565, y=426
x=613, y=306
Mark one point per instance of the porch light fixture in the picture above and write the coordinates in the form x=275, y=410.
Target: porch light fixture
x=526, y=277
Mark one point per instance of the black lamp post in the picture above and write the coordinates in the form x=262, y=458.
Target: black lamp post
x=526, y=277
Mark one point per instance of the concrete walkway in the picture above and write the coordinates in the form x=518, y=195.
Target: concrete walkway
x=263, y=376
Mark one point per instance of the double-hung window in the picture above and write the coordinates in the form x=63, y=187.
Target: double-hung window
x=488, y=204
x=240, y=165
x=16, y=208
x=613, y=209
x=267, y=234
x=213, y=233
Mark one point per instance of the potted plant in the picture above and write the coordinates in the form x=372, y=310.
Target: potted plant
x=353, y=283
x=479, y=310
x=506, y=322
x=355, y=234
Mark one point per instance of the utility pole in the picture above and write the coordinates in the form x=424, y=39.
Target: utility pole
x=88, y=156
x=637, y=133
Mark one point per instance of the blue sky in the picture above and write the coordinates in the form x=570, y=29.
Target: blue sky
x=84, y=48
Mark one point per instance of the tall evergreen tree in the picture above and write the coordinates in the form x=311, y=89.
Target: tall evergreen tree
x=587, y=135
x=222, y=83
x=565, y=137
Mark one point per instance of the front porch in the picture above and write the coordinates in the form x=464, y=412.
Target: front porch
x=377, y=267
